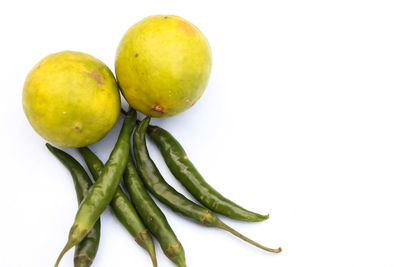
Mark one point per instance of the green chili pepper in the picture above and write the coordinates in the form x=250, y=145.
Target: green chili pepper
x=183, y=169
x=122, y=207
x=156, y=184
x=86, y=250
x=102, y=191
x=152, y=216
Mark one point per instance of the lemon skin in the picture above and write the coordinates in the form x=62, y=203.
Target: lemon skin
x=71, y=99
x=162, y=65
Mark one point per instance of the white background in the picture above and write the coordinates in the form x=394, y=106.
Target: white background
x=300, y=120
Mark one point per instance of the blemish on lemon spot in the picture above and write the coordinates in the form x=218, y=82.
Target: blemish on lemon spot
x=187, y=27
x=96, y=76
x=158, y=108
x=77, y=127
x=136, y=55
x=189, y=102
x=165, y=17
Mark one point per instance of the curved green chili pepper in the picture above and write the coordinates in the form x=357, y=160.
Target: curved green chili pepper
x=102, y=191
x=177, y=161
x=152, y=216
x=86, y=250
x=156, y=184
x=122, y=207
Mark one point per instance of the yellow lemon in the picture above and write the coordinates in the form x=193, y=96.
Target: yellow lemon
x=162, y=65
x=71, y=99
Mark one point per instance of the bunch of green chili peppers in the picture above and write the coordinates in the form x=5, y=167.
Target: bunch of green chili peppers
x=138, y=213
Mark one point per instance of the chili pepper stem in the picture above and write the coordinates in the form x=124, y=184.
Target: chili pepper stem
x=67, y=247
x=75, y=236
x=225, y=227
x=152, y=254
x=153, y=259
